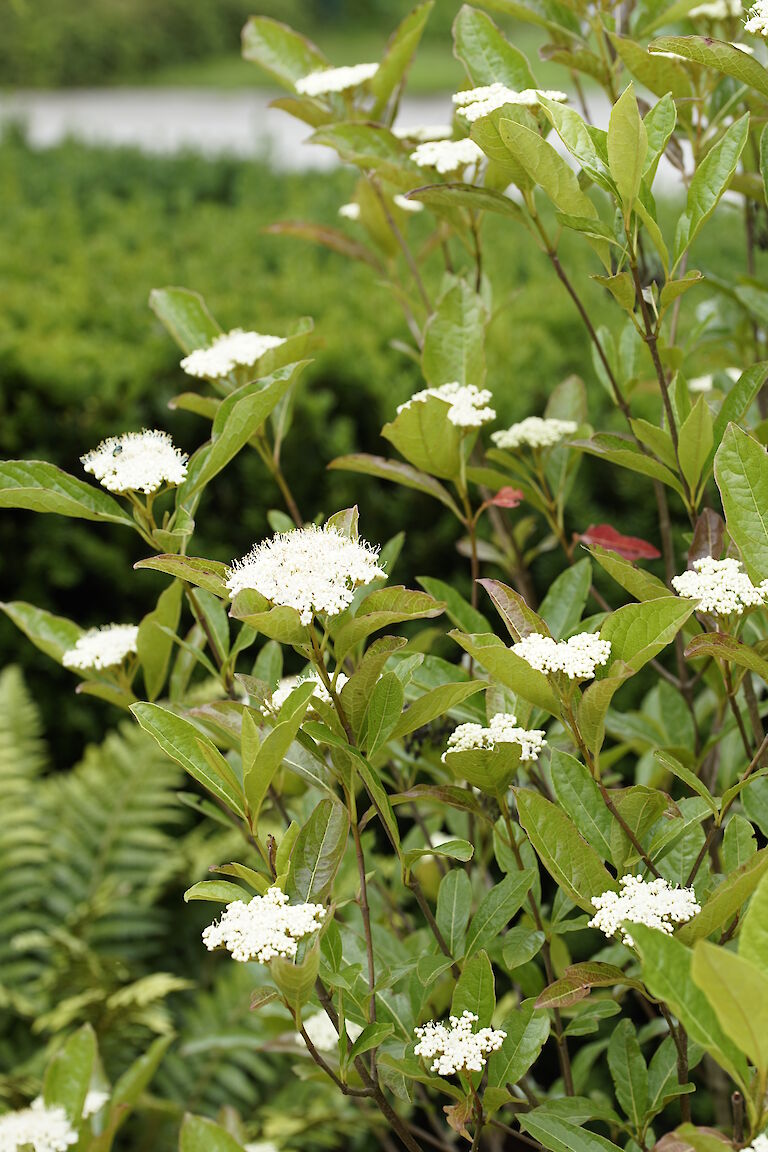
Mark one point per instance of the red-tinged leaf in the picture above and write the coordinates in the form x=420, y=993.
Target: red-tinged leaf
x=563, y=993
x=630, y=547
x=507, y=498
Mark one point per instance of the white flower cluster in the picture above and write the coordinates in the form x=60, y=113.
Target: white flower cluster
x=757, y=23
x=717, y=10
x=457, y=1047
x=502, y=729
x=423, y=132
x=474, y=103
x=535, y=432
x=407, y=205
x=468, y=405
x=447, y=155
x=655, y=903
x=706, y=383
x=229, y=351
x=759, y=1144
x=322, y=1033
x=350, y=211
x=136, y=462
x=577, y=657
x=326, y=80
x=310, y=569
x=721, y=587
x=37, y=1127
x=265, y=927
x=103, y=647
x=288, y=683
x=94, y=1102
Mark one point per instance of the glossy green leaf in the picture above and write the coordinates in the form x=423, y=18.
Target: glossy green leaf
x=68, y=1075
x=741, y=472
x=186, y=317
x=627, y=148
x=454, y=339
x=454, y=903
x=42, y=487
x=496, y=910
x=578, y=795
x=398, y=473
x=317, y=853
x=475, y=990
x=737, y=991
x=486, y=54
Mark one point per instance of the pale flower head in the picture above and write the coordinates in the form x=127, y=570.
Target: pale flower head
x=759, y=1144
x=474, y=103
x=717, y=10
x=407, y=205
x=288, y=683
x=577, y=657
x=38, y=1127
x=265, y=927
x=455, y=1047
x=310, y=569
x=136, y=462
x=326, y=80
x=467, y=405
x=707, y=383
x=422, y=133
x=94, y=1102
x=655, y=903
x=350, y=211
x=225, y=353
x=502, y=729
x=447, y=155
x=534, y=432
x=757, y=23
x=322, y=1033
x=721, y=587
x=104, y=647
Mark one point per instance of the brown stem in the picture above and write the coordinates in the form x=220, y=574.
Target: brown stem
x=365, y=912
x=733, y=705
x=412, y=265
x=680, y=1040
x=321, y=1063
x=737, y=1110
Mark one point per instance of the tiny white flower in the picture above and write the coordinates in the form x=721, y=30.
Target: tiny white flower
x=456, y=1048
x=94, y=1102
x=322, y=1033
x=447, y=155
x=38, y=1127
x=136, y=462
x=502, y=729
x=408, y=205
x=706, y=383
x=288, y=683
x=422, y=133
x=535, y=432
x=759, y=1144
x=310, y=569
x=721, y=587
x=655, y=903
x=326, y=80
x=474, y=103
x=104, y=647
x=577, y=657
x=757, y=23
x=717, y=10
x=467, y=405
x=350, y=211
x=234, y=349
x=265, y=927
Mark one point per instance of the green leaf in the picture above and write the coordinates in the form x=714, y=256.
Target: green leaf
x=42, y=487
x=696, y=439
x=317, y=853
x=560, y=1134
x=459, y=611
x=716, y=54
x=454, y=902
x=398, y=473
x=546, y=168
x=385, y=706
x=475, y=991
x=370, y=1037
x=218, y=891
x=280, y=51
x=738, y=993
x=183, y=742
x=624, y=452
x=629, y=1073
x=486, y=54
x=451, y=196
x=579, y=796
x=68, y=1075
x=208, y=574
x=398, y=55
x=509, y=669
x=259, y=768
x=753, y=934
x=727, y=900
x=454, y=339
x=383, y=607
x=741, y=472
x=185, y=316
x=53, y=635
x=154, y=645
x=667, y=975
x=201, y=1135
x=527, y=1031
x=569, y=859
x=519, y=619
x=658, y=74
x=740, y=398
x=434, y=704
x=638, y=632
x=296, y=981
x=132, y=1085
x=640, y=584
x=627, y=148
x=729, y=649
x=713, y=174
x=425, y=436
x=449, y=849
x=497, y=908
x=373, y=148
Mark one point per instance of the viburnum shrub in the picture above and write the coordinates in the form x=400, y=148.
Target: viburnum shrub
x=503, y=861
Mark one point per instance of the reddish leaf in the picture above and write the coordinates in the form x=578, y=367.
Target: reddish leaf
x=630, y=547
x=507, y=498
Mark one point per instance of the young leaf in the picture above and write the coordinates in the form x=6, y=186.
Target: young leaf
x=629, y=1073
x=317, y=853
x=487, y=56
x=454, y=902
x=385, y=706
x=738, y=994
x=712, y=177
x=496, y=910
x=185, y=316
x=627, y=148
x=454, y=339
x=280, y=51
x=741, y=472
x=474, y=991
